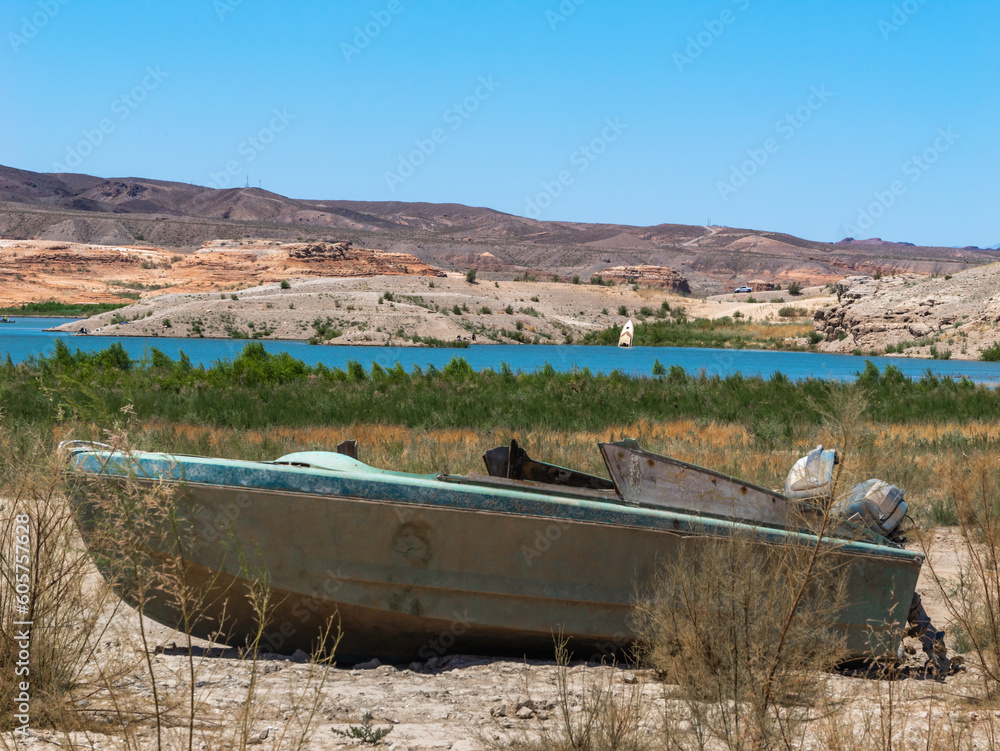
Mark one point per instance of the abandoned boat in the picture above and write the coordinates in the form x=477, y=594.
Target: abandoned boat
x=416, y=566
x=626, y=335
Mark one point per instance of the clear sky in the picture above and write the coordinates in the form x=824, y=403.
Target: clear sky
x=823, y=119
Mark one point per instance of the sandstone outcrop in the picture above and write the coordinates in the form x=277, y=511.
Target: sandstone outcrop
x=954, y=316
x=32, y=271
x=649, y=276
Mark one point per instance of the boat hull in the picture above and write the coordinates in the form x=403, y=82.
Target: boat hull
x=415, y=567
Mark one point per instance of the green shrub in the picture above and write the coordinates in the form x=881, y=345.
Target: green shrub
x=788, y=311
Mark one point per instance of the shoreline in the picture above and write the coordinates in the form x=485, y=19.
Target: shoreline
x=409, y=344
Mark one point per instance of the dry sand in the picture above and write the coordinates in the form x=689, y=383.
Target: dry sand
x=451, y=702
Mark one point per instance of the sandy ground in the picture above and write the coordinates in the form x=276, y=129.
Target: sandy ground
x=448, y=702
x=382, y=309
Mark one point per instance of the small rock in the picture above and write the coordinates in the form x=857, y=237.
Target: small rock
x=525, y=713
x=300, y=656
x=499, y=711
x=543, y=715
x=260, y=738
x=629, y=678
x=370, y=665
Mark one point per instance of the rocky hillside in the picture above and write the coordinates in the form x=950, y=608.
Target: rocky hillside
x=952, y=316
x=179, y=216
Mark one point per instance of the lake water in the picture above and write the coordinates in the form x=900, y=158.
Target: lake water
x=26, y=338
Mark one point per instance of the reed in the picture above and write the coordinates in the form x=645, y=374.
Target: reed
x=258, y=390
x=722, y=332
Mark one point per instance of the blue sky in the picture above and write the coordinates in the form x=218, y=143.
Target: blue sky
x=822, y=119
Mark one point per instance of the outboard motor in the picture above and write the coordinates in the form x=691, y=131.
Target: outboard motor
x=876, y=505
x=811, y=478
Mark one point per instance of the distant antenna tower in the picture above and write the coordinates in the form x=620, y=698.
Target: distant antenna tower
x=247, y=183
x=258, y=183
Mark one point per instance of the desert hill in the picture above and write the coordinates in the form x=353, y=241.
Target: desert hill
x=181, y=217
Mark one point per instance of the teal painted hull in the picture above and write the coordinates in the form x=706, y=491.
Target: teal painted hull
x=416, y=566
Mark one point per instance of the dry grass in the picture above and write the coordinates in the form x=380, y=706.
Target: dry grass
x=973, y=595
x=762, y=453
x=94, y=675
x=727, y=623
x=715, y=698
x=69, y=608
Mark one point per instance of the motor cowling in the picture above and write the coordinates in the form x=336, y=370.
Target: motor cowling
x=876, y=505
x=811, y=477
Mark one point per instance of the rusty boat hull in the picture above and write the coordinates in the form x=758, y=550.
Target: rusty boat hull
x=413, y=566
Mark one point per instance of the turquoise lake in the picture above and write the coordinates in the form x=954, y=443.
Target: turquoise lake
x=26, y=338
